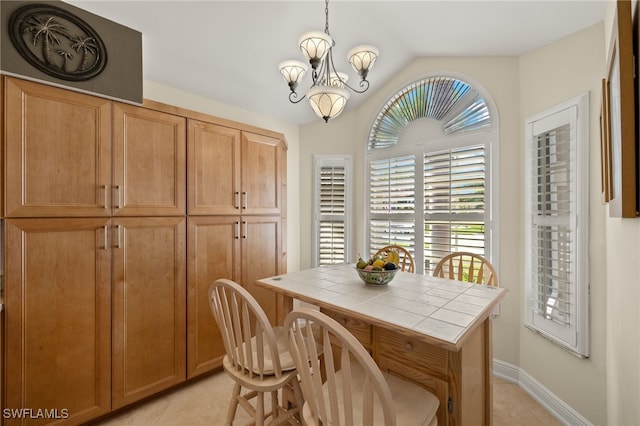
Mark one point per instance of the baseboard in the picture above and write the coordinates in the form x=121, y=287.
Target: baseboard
x=537, y=391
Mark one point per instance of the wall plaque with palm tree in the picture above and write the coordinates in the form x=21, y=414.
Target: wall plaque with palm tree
x=57, y=42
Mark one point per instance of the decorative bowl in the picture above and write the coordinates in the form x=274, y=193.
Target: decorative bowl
x=376, y=277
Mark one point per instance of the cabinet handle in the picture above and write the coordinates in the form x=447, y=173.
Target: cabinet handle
x=106, y=191
x=244, y=223
x=118, y=242
x=237, y=236
x=408, y=346
x=105, y=230
x=237, y=201
x=118, y=198
x=246, y=200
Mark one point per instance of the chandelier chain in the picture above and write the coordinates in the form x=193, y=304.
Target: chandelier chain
x=326, y=17
x=327, y=94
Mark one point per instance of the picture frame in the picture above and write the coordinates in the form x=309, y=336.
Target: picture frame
x=620, y=90
x=605, y=144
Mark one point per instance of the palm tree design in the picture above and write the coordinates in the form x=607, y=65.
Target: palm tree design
x=65, y=56
x=85, y=45
x=49, y=30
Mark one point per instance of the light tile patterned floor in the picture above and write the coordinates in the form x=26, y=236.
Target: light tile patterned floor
x=204, y=402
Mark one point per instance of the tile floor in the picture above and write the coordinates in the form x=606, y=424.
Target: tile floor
x=204, y=402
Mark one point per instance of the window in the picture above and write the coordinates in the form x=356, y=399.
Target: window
x=392, y=202
x=437, y=180
x=454, y=202
x=332, y=194
x=557, y=147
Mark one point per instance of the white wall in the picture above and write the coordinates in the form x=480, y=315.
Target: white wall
x=348, y=134
x=622, y=306
x=549, y=76
x=520, y=87
x=168, y=95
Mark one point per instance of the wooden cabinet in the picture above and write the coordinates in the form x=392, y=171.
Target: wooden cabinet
x=214, y=169
x=455, y=377
x=58, y=316
x=239, y=248
x=261, y=258
x=233, y=172
x=149, y=306
x=361, y=330
x=400, y=355
x=149, y=160
x=213, y=252
x=234, y=203
x=261, y=174
x=57, y=152
x=109, y=257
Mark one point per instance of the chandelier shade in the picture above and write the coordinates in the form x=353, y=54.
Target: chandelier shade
x=314, y=45
x=292, y=72
x=327, y=101
x=338, y=79
x=362, y=59
x=328, y=93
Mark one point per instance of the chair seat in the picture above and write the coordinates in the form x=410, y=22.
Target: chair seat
x=286, y=361
x=407, y=397
x=266, y=384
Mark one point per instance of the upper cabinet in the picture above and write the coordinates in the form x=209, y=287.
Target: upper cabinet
x=57, y=152
x=214, y=169
x=149, y=160
x=261, y=174
x=233, y=172
x=59, y=148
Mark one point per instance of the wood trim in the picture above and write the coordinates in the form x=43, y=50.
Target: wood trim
x=170, y=109
x=624, y=203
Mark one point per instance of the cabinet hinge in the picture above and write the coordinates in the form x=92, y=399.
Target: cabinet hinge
x=450, y=405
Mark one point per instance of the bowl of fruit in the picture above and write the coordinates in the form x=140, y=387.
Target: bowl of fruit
x=377, y=270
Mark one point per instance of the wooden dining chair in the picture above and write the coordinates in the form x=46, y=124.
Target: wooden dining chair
x=341, y=384
x=257, y=355
x=466, y=266
x=405, y=260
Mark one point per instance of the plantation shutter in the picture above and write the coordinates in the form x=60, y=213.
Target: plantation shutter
x=454, y=203
x=331, y=210
x=557, y=283
x=392, y=202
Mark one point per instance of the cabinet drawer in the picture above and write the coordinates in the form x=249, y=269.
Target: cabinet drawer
x=360, y=329
x=416, y=352
x=414, y=373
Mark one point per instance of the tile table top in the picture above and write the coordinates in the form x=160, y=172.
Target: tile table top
x=437, y=308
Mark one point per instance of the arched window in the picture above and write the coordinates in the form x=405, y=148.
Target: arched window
x=429, y=166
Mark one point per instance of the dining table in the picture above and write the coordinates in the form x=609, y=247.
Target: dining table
x=433, y=331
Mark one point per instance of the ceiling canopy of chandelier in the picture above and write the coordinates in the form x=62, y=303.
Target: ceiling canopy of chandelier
x=328, y=93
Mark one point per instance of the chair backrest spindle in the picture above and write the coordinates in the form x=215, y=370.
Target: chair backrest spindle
x=466, y=266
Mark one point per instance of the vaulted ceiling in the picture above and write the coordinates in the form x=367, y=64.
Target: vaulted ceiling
x=230, y=50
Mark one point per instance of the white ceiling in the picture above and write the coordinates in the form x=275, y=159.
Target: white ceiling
x=230, y=50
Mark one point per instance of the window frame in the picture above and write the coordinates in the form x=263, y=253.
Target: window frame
x=328, y=160
x=445, y=142
x=577, y=111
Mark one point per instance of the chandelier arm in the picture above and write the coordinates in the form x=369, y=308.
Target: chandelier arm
x=363, y=84
x=293, y=97
x=327, y=94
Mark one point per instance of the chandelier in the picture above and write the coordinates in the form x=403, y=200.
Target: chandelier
x=327, y=94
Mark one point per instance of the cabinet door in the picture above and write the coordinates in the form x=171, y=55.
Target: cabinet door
x=213, y=160
x=261, y=258
x=149, y=160
x=261, y=174
x=57, y=152
x=149, y=308
x=214, y=252
x=58, y=318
